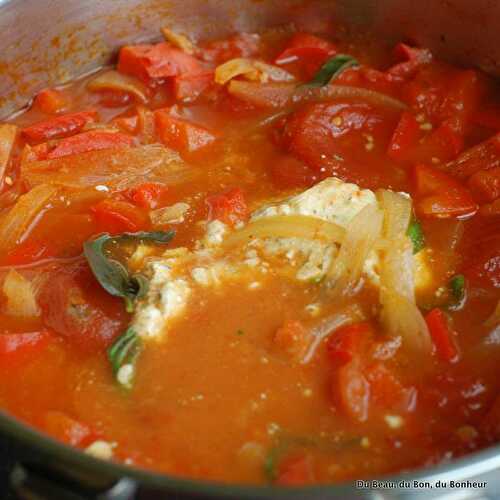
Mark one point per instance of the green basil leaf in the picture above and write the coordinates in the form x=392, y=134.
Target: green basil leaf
x=125, y=351
x=457, y=287
x=331, y=69
x=416, y=235
x=112, y=275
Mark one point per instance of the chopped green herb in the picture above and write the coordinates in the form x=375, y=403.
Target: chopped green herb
x=457, y=287
x=124, y=352
x=111, y=274
x=416, y=235
x=331, y=69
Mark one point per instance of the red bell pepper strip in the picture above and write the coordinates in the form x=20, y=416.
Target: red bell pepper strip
x=181, y=135
x=229, y=207
x=440, y=196
x=156, y=62
x=59, y=127
x=442, y=335
x=116, y=216
x=90, y=141
x=348, y=342
x=147, y=195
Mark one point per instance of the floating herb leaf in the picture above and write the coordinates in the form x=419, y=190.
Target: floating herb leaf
x=123, y=354
x=416, y=235
x=111, y=274
x=331, y=69
x=457, y=287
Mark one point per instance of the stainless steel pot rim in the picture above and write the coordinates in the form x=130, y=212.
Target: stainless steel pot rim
x=461, y=469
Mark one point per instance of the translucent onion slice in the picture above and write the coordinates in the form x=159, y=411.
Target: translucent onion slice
x=278, y=95
x=251, y=70
x=8, y=135
x=21, y=296
x=113, y=80
x=179, y=40
x=17, y=221
x=397, y=213
x=363, y=232
x=287, y=226
x=400, y=314
x=328, y=325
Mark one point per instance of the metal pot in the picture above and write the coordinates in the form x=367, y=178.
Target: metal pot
x=54, y=41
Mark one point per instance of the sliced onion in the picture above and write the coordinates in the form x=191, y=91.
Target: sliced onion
x=178, y=40
x=116, y=169
x=21, y=296
x=8, y=135
x=173, y=214
x=113, y=80
x=251, y=70
x=15, y=224
x=397, y=213
x=287, y=226
x=328, y=325
x=278, y=95
x=363, y=232
x=400, y=313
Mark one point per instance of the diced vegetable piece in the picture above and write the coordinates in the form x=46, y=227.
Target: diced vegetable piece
x=293, y=339
x=229, y=207
x=59, y=127
x=348, y=342
x=251, y=70
x=189, y=87
x=116, y=216
x=414, y=59
x=485, y=184
x=441, y=196
x=351, y=391
x=66, y=429
x=147, y=195
x=416, y=235
x=442, y=335
x=15, y=224
x=181, y=135
x=296, y=471
x=18, y=349
x=174, y=214
x=94, y=140
x=20, y=293
x=362, y=233
x=115, y=81
x=152, y=62
x=8, y=134
x=114, y=168
x=51, y=101
x=405, y=137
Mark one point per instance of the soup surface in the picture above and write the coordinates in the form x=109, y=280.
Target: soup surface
x=273, y=258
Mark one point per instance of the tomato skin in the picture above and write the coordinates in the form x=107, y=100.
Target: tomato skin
x=288, y=172
x=229, y=206
x=442, y=335
x=296, y=471
x=59, y=127
x=90, y=141
x=51, y=101
x=75, y=307
x=117, y=216
x=18, y=349
x=189, y=87
x=405, y=137
x=440, y=196
x=181, y=135
x=66, y=429
x=147, y=195
x=153, y=62
x=413, y=59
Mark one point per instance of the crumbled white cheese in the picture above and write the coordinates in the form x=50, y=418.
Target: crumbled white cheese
x=125, y=375
x=394, y=421
x=100, y=449
x=216, y=230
